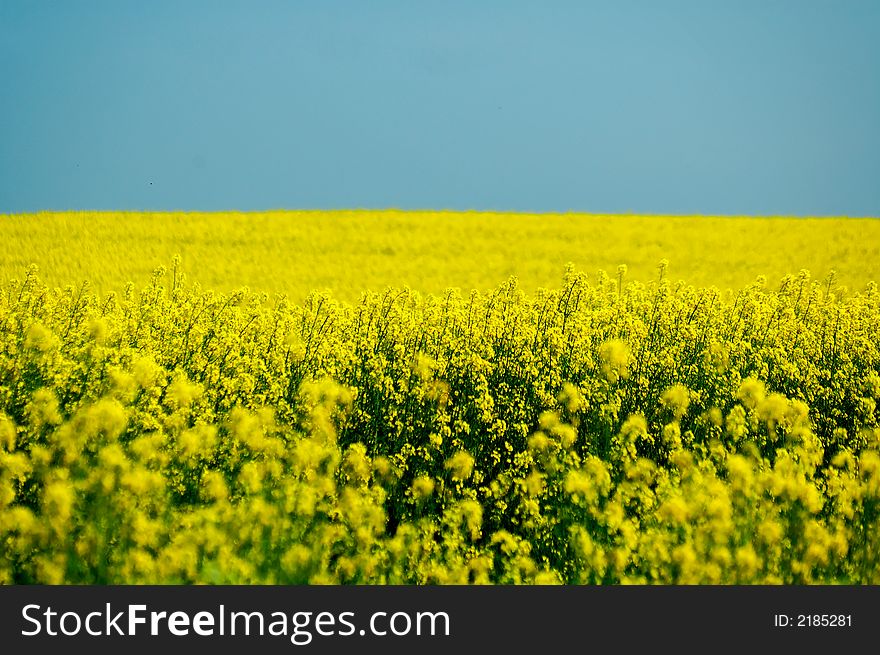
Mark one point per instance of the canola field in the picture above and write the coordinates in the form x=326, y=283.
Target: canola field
x=349, y=252
x=527, y=422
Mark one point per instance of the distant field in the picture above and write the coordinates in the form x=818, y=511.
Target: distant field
x=294, y=252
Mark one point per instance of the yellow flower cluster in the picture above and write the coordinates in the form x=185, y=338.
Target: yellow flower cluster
x=601, y=432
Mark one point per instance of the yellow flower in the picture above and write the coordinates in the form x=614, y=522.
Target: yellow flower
x=58, y=501
x=674, y=510
x=422, y=487
x=7, y=433
x=43, y=408
x=460, y=465
x=38, y=337
x=614, y=356
x=751, y=392
x=677, y=399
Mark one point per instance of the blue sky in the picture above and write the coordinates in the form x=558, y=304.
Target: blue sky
x=764, y=107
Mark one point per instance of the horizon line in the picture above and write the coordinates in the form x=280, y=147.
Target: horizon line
x=520, y=212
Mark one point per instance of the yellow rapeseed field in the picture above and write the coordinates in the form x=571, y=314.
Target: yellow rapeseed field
x=553, y=399
x=295, y=252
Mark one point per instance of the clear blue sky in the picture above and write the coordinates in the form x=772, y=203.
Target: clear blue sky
x=721, y=107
